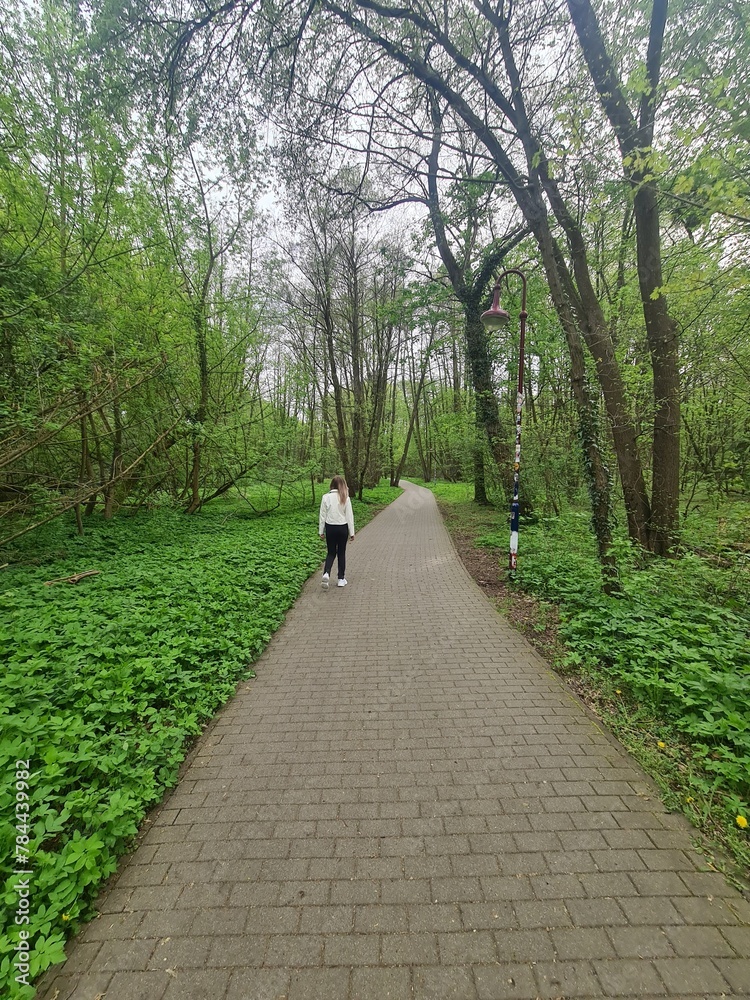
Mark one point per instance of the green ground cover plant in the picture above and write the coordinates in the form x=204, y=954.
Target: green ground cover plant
x=106, y=682
x=675, y=639
x=667, y=661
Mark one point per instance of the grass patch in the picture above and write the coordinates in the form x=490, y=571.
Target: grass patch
x=106, y=682
x=666, y=664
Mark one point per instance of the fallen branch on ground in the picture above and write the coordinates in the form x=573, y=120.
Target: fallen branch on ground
x=72, y=579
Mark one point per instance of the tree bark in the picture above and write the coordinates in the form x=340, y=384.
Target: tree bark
x=199, y=322
x=635, y=138
x=480, y=485
x=114, y=476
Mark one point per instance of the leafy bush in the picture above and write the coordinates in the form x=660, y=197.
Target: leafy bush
x=105, y=682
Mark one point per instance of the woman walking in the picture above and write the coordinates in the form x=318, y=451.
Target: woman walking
x=336, y=523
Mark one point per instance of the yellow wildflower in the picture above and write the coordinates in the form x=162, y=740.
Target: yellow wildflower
x=741, y=822
x=661, y=744
x=66, y=916
x=618, y=691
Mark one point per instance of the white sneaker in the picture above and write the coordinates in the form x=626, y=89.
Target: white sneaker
x=326, y=578
x=341, y=583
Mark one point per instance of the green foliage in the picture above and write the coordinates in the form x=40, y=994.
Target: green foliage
x=106, y=682
x=450, y=492
x=675, y=640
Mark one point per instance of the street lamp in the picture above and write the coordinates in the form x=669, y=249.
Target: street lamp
x=494, y=319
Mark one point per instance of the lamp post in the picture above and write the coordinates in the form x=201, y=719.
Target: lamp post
x=494, y=319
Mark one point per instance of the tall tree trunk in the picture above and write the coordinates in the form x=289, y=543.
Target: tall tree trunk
x=86, y=467
x=635, y=138
x=480, y=485
x=420, y=450
x=392, y=428
x=662, y=336
x=456, y=380
x=338, y=401
x=199, y=322
x=116, y=467
x=91, y=502
x=485, y=400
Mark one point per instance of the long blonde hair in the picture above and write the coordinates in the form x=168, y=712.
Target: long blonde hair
x=339, y=483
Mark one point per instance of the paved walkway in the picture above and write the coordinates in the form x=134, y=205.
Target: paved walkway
x=408, y=804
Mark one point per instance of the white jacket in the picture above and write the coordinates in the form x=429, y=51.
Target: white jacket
x=331, y=512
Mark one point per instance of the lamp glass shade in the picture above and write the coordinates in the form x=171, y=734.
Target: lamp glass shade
x=495, y=318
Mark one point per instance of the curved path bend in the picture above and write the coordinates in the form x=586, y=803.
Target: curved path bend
x=408, y=804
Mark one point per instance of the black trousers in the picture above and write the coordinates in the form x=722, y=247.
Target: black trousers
x=337, y=536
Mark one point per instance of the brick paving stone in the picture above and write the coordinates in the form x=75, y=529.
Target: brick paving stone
x=582, y=942
x=651, y=910
x=331, y=868
x=315, y=984
x=253, y=895
x=136, y=985
x=447, y=890
x=698, y=941
x=557, y=886
x=109, y=927
x=475, y=864
x=434, y=917
x=507, y=887
x=690, y=975
x=547, y=913
x=433, y=817
x=155, y=874
x=381, y=984
x=379, y=868
x=352, y=950
x=405, y=891
x=595, y=912
x=736, y=971
x=197, y=984
x=234, y=951
x=567, y=979
x=717, y=912
x=305, y=893
x=327, y=919
x=180, y=952
x=427, y=867
x=292, y=950
x=380, y=919
x=525, y=946
x=487, y=915
x=87, y=986
x=444, y=984
x=508, y=981
x=626, y=977
x=258, y=984
x=409, y=949
x=739, y=938
x=641, y=942
x=114, y=956
x=467, y=947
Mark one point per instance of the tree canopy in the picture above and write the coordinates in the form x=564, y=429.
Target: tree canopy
x=248, y=239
